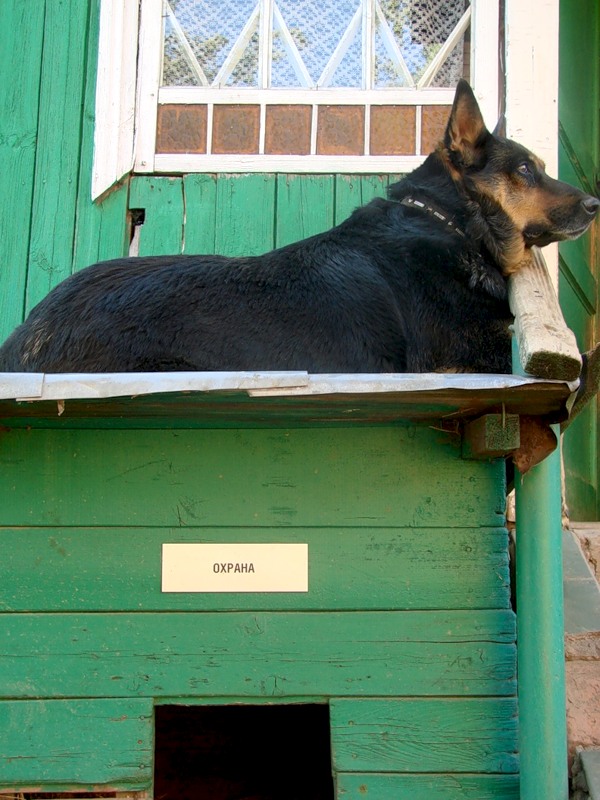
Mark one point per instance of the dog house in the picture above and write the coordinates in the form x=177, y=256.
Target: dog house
x=262, y=585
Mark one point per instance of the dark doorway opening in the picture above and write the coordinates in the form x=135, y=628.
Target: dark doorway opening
x=243, y=752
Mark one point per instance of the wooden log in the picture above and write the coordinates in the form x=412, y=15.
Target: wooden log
x=547, y=347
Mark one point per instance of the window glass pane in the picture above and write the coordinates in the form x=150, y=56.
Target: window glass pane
x=203, y=33
x=314, y=43
x=419, y=28
x=317, y=27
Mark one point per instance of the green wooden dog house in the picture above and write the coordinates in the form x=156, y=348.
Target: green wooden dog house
x=398, y=651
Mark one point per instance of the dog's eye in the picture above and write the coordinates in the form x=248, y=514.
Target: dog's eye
x=525, y=169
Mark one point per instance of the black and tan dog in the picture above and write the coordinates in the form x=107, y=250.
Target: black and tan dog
x=412, y=283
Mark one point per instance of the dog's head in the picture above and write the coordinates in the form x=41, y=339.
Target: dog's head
x=497, y=173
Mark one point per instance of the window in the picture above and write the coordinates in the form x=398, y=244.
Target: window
x=311, y=86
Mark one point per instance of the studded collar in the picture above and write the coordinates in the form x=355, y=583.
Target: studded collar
x=427, y=207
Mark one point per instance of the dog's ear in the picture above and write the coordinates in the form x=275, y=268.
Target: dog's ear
x=466, y=131
x=500, y=129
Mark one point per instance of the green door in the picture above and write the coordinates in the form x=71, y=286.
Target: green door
x=579, y=110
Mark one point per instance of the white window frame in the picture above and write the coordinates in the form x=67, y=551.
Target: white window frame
x=532, y=51
x=121, y=146
x=116, y=81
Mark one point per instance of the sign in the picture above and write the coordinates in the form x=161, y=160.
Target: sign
x=235, y=567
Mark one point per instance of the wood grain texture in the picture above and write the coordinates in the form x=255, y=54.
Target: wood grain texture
x=340, y=477
x=245, y=216
x=258, y=654
x=200, y=194
x=547, y=348
x=57, y=161
x=73, y=569
x=58, y=744
x=162, y=200
x=425, y=735
x=390, y=786
x=305, y=206
x=20, y=23
x=352, y=191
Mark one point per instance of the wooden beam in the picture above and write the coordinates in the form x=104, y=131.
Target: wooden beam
x=491, y=436
x=547, y=347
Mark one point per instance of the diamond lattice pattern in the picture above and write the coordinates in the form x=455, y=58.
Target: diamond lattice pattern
x=359, y=44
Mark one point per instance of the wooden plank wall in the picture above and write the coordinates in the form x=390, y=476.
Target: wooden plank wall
x=48, y=55
x=579, y=164
x=244, y=214
x=406, y=631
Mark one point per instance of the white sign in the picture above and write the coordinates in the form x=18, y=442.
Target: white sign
x=235, y=567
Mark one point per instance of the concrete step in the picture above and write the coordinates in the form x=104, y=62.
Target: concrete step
x=586, y=776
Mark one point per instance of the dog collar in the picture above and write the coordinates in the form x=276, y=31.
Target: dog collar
x=432, y=210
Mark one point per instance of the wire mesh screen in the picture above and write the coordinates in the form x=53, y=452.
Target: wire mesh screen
x=314, y=43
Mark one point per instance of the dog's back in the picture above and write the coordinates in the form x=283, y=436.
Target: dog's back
x=379, y=293
x=413, y=283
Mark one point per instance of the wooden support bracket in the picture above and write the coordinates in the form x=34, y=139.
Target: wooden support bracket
x=491, y=436
x=538, y=440
x=547, y=347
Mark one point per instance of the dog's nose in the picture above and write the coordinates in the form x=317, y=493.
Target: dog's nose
x=591, y=205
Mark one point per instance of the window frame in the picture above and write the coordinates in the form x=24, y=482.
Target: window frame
x=125, y=137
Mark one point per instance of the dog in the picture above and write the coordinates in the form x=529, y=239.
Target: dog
x=416, y=282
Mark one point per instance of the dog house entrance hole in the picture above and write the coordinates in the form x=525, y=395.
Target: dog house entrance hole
x=243, y=752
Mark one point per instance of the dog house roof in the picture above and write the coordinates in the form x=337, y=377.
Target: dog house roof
x=272, y=398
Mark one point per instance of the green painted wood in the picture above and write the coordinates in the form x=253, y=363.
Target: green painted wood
x=576, y=264
x=21, y=28
x=102, y=229
x=162, y=200
x=58, y=147
x=258, y=654
x=341, y=477
x=365, y=568
x=579, y=163
x=200, y=192
x=245, y=216
x=580, y=449
x=61, y=745
x=424, y=735
x=579, y=48
x=353, y=191
x=358, y=786
x=305, y=206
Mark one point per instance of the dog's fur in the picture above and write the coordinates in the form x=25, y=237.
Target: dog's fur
x=392, y=289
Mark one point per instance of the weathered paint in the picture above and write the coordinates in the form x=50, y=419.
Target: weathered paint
x=73, y=569
x=394, y=786
x=258, y=654
x=360, y=728
x=408, y=594
x=59, y=743
x=579, y=163
x=297, y=477
x=49, y=226
x=19, y=101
